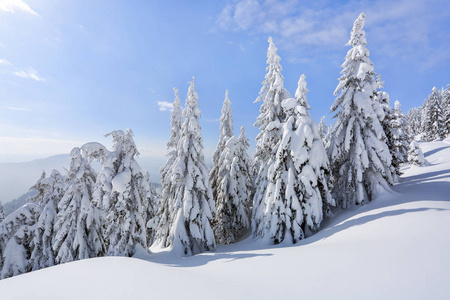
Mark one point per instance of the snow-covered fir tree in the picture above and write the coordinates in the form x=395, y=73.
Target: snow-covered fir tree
x=298, y=191
x=193, y=208
x=415, y=154
x=399, y=130
x=117, y=191
x=150, y=202
x=246, y=170
x=361, y=162
x=414, y=120
x=432, y=116
x=269, y=123
x=78, y=229
x=446, y=110
x=226, y=132
x=52, y=188
x=233, y=190
x=323, y=130
x=15, y=240
x=168, y=185
x=2, y=213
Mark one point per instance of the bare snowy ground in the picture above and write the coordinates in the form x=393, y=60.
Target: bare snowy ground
x=396, y=247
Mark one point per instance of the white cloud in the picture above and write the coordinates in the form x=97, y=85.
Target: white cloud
x=4, y=62
x=12, y=6
x=18, y=108
x=165, y=106
x=399, y=28
x=31, y=73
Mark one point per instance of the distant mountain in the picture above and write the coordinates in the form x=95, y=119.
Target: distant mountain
x=17, y=178
x=16, y=203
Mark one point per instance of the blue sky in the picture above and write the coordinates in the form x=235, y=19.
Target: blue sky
x=73, y=70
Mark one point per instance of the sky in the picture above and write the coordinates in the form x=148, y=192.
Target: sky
x=72, y=71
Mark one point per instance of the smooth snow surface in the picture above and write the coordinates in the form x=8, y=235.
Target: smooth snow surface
x=396, y=247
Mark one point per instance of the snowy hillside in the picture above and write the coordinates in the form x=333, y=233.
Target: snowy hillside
x=396, y=247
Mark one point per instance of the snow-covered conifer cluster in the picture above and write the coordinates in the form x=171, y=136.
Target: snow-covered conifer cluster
x=282, y=194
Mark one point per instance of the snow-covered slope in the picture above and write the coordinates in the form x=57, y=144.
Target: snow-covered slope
x=396, y=247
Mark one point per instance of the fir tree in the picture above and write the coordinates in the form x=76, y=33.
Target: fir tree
x=193, y=208
x=226, y=132
x=168, y=185
x=43, y=234
x=233, y=190
x=399, y=129
x=323, y=130
x=78, y=229
x=432, y=117
x=117, y=190
x=358, y=150
x=15, y=240
x=298, y=191
x=414, y=120
x=446, y=110
x=150, y=202
x=415, y=154
x=269, y=123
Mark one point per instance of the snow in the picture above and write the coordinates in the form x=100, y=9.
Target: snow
x=395, y=247
x=121, y=181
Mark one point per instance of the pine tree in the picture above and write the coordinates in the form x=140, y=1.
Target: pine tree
x=43, y=234
x=269, y=123
x=399, y=129
x=298, y=191
x=415, y=154
x=446, y=109
x=150, y=202
x=226, y=132
x=323, y=130
x=117, y=190
x=78, y=229
x=233, y=190
x=358, y=150
x=432, y=117
x=2, y=214
x=244, y=164
x=15, y=240
x=168, y=185
x=193, y=208
x=414, y=120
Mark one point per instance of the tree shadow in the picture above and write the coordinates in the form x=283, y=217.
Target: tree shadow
x=434, y=151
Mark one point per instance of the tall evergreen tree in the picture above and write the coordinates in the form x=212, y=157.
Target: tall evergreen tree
x=117, y=190
x=233, y=190
x=150, y=202
x=399, y=129
x=193, y=208
x=432, y=117
x=269, y=123
x=414, y=120
x=358, y=150
x=168, y=184
x=298, y=191
x=43, y=234
x=446, y=109
x=78, y=229
x=15, y=240
x=226, y=132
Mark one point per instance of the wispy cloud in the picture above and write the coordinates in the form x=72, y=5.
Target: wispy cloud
x=12, y=6
x=18, y=108
x=4, y=62
x=31, y=73
x=165, y=106
x=401, y=28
